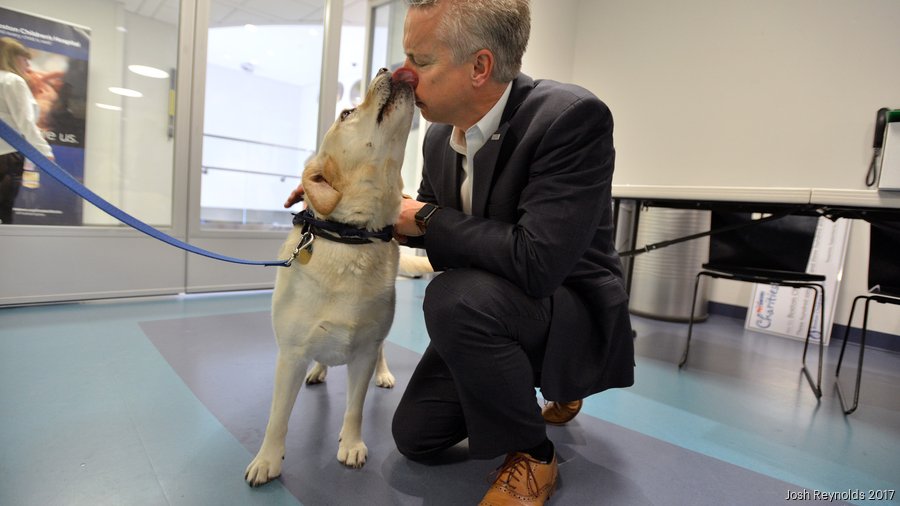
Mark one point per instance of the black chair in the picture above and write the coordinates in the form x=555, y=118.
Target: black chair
x=884, y=278
x=772, y=250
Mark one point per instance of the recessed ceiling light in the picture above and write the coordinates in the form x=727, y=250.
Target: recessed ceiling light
x=108, y=107
x=125, y=92
x=143, y=70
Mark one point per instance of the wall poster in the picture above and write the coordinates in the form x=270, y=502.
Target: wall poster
x=58, y=82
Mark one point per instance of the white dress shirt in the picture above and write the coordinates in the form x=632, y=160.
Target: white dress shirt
x=474, y=139
x=19, y=110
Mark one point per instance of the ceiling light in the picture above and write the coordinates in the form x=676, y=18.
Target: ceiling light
x=143, y=70
x=125, y=92
x=108, y=107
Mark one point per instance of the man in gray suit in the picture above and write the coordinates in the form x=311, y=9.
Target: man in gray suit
x=515, y=208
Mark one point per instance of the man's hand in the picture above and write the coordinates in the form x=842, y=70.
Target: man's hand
x=406, y=224
x=295, y=196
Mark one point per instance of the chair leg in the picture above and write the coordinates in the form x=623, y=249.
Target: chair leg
x=821, y=345
x=687, y=343
x=816, y=385
x=862, y=348
x=812, y=314
x=837, y=370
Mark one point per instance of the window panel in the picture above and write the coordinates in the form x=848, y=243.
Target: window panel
x=120, y=146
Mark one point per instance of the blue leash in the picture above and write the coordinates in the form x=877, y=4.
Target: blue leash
x=22, y=146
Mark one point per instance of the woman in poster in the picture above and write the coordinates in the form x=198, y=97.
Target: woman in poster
x=19, y=109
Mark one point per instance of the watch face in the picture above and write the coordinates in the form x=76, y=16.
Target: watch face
x=424, y=213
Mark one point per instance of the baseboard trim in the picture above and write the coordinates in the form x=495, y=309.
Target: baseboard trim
x=731, y=311
x=881, y=340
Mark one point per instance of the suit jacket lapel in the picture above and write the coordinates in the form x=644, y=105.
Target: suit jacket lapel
x=485, y=166
x=487, y=160
x=450, y=180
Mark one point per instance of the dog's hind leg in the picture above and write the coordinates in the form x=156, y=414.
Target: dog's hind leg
x=316, y=374
x=352, y=451
x=383, y=376
x=289, y=371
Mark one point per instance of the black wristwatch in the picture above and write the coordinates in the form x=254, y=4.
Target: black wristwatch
x=424, y=214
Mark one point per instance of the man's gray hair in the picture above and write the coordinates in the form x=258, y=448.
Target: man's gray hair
x=502, y=26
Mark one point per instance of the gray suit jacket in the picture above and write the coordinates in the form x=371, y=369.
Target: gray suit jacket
x=542, y=218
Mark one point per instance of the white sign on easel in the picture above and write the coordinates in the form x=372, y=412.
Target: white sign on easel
x=784, y=311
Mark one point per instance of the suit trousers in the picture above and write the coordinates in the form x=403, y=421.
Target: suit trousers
x=477, y=377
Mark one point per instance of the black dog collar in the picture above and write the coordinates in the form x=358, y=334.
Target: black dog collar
x=341, y=232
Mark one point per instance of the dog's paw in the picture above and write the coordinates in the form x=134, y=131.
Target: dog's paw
x=352, y=455
x=316, y=374
x=262, y=471
x=384, y=379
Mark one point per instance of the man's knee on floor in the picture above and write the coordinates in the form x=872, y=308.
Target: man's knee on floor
x=410, y=444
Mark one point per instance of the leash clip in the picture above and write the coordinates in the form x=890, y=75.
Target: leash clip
x=305, y=245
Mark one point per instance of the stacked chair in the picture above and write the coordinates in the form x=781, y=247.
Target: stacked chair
x=884, y=280
x=772, y=250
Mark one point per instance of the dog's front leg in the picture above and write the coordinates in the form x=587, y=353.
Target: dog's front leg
x=352, y=451
x=289, y=371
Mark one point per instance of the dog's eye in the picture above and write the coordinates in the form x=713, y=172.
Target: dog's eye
x=347, y=112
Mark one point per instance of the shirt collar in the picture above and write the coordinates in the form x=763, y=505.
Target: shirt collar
x=476, y=136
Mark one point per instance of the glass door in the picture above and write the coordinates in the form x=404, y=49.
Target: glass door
x=275, y=77
x=195, y=116
x=385, y=42
x=103, y=75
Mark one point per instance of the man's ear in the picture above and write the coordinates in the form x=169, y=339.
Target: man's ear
x=319, y=181
x=483, y=67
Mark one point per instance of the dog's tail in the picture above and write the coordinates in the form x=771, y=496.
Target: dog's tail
x=414, y=266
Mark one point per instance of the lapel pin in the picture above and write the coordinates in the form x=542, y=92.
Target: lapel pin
x=495, y=137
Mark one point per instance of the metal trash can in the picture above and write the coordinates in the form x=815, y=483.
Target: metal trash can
x=663, y=279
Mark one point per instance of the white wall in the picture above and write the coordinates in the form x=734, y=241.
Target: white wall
x=735, y=93
x=732, y=93
x=551, y=49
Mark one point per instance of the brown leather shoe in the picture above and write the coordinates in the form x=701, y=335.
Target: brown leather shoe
x=559, y=413
x=522, y=481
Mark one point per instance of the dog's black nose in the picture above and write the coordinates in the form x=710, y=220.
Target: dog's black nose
x=382, y=70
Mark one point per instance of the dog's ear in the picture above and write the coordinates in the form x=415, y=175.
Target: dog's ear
x=319, y=184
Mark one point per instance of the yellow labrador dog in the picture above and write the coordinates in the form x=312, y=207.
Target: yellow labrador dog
x=335, y=303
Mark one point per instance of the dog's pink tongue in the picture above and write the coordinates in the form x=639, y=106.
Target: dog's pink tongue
x=405, y=75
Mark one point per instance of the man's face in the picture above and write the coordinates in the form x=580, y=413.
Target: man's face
x=444, y=87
